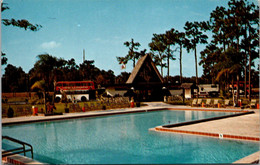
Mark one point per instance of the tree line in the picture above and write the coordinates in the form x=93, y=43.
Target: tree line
x=50, y=69
x=229, y=56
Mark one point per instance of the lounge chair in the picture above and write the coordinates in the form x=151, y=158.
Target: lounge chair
x=199, y=102
x=208, y=103
x=194, y=102
x=215, y=103
x=253, y=103
x=226, y=103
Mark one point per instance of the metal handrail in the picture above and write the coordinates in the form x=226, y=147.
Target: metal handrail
x=19, y=150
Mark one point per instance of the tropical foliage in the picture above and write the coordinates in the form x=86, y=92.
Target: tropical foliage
x=132, y=53
x=50, y=69
x=234, y=47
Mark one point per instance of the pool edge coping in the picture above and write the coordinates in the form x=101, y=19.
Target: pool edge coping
x=80, y=115
x=21, y=160
x=110, y=112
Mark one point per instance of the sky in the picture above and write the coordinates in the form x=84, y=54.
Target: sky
x=100, y=27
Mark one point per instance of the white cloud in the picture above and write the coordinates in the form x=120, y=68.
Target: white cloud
x=50, y=45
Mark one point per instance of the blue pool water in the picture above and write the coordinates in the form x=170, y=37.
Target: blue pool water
x=125, y=139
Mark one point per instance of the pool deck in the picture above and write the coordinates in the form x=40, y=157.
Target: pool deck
x=245, y=127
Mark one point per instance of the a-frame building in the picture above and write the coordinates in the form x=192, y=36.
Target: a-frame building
x=146, y=80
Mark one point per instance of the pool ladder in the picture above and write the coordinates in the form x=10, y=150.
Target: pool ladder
x=17, y=150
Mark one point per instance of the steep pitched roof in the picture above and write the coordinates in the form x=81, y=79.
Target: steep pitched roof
x=145, y=71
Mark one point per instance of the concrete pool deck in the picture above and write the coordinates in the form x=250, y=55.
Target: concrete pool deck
x=245, y=127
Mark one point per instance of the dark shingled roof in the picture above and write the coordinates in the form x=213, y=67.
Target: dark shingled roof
x=142, y=61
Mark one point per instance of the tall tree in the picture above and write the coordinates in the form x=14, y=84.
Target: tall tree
x=122, y=78
x=218, y=26
x=249, y=16
x=229, y=65
x=210, y=56
x=236, y=29
x=196, y=36
x=178, y=38
x=170, y=39
x=72, y=70
x=182, y=41
x=132, y=54
x=158, y=46
x=88, y=70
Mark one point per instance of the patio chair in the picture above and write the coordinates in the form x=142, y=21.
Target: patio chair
x=226, y=103
x=199, y=102
x=253, y=103
x=215, y=103
x=208, y=103
x=194, y=102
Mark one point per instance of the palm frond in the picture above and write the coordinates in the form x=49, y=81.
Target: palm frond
x=38, y=85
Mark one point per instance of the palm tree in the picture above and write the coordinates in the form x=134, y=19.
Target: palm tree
x=132, y=54
x=41, y=85
x=229, y=65
x=44, y=67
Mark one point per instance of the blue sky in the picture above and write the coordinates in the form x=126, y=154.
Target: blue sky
x=100, y=27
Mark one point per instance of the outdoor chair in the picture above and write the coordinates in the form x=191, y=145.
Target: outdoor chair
x=215, y=103
x=226, y=103
x=194, y=102
x=199, y=102
x=208, y=103
x=253, y=103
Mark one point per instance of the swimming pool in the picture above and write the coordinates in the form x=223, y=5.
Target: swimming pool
x=125, y=139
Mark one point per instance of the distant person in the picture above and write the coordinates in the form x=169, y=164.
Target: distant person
x=10, y=112
x=74, y=100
